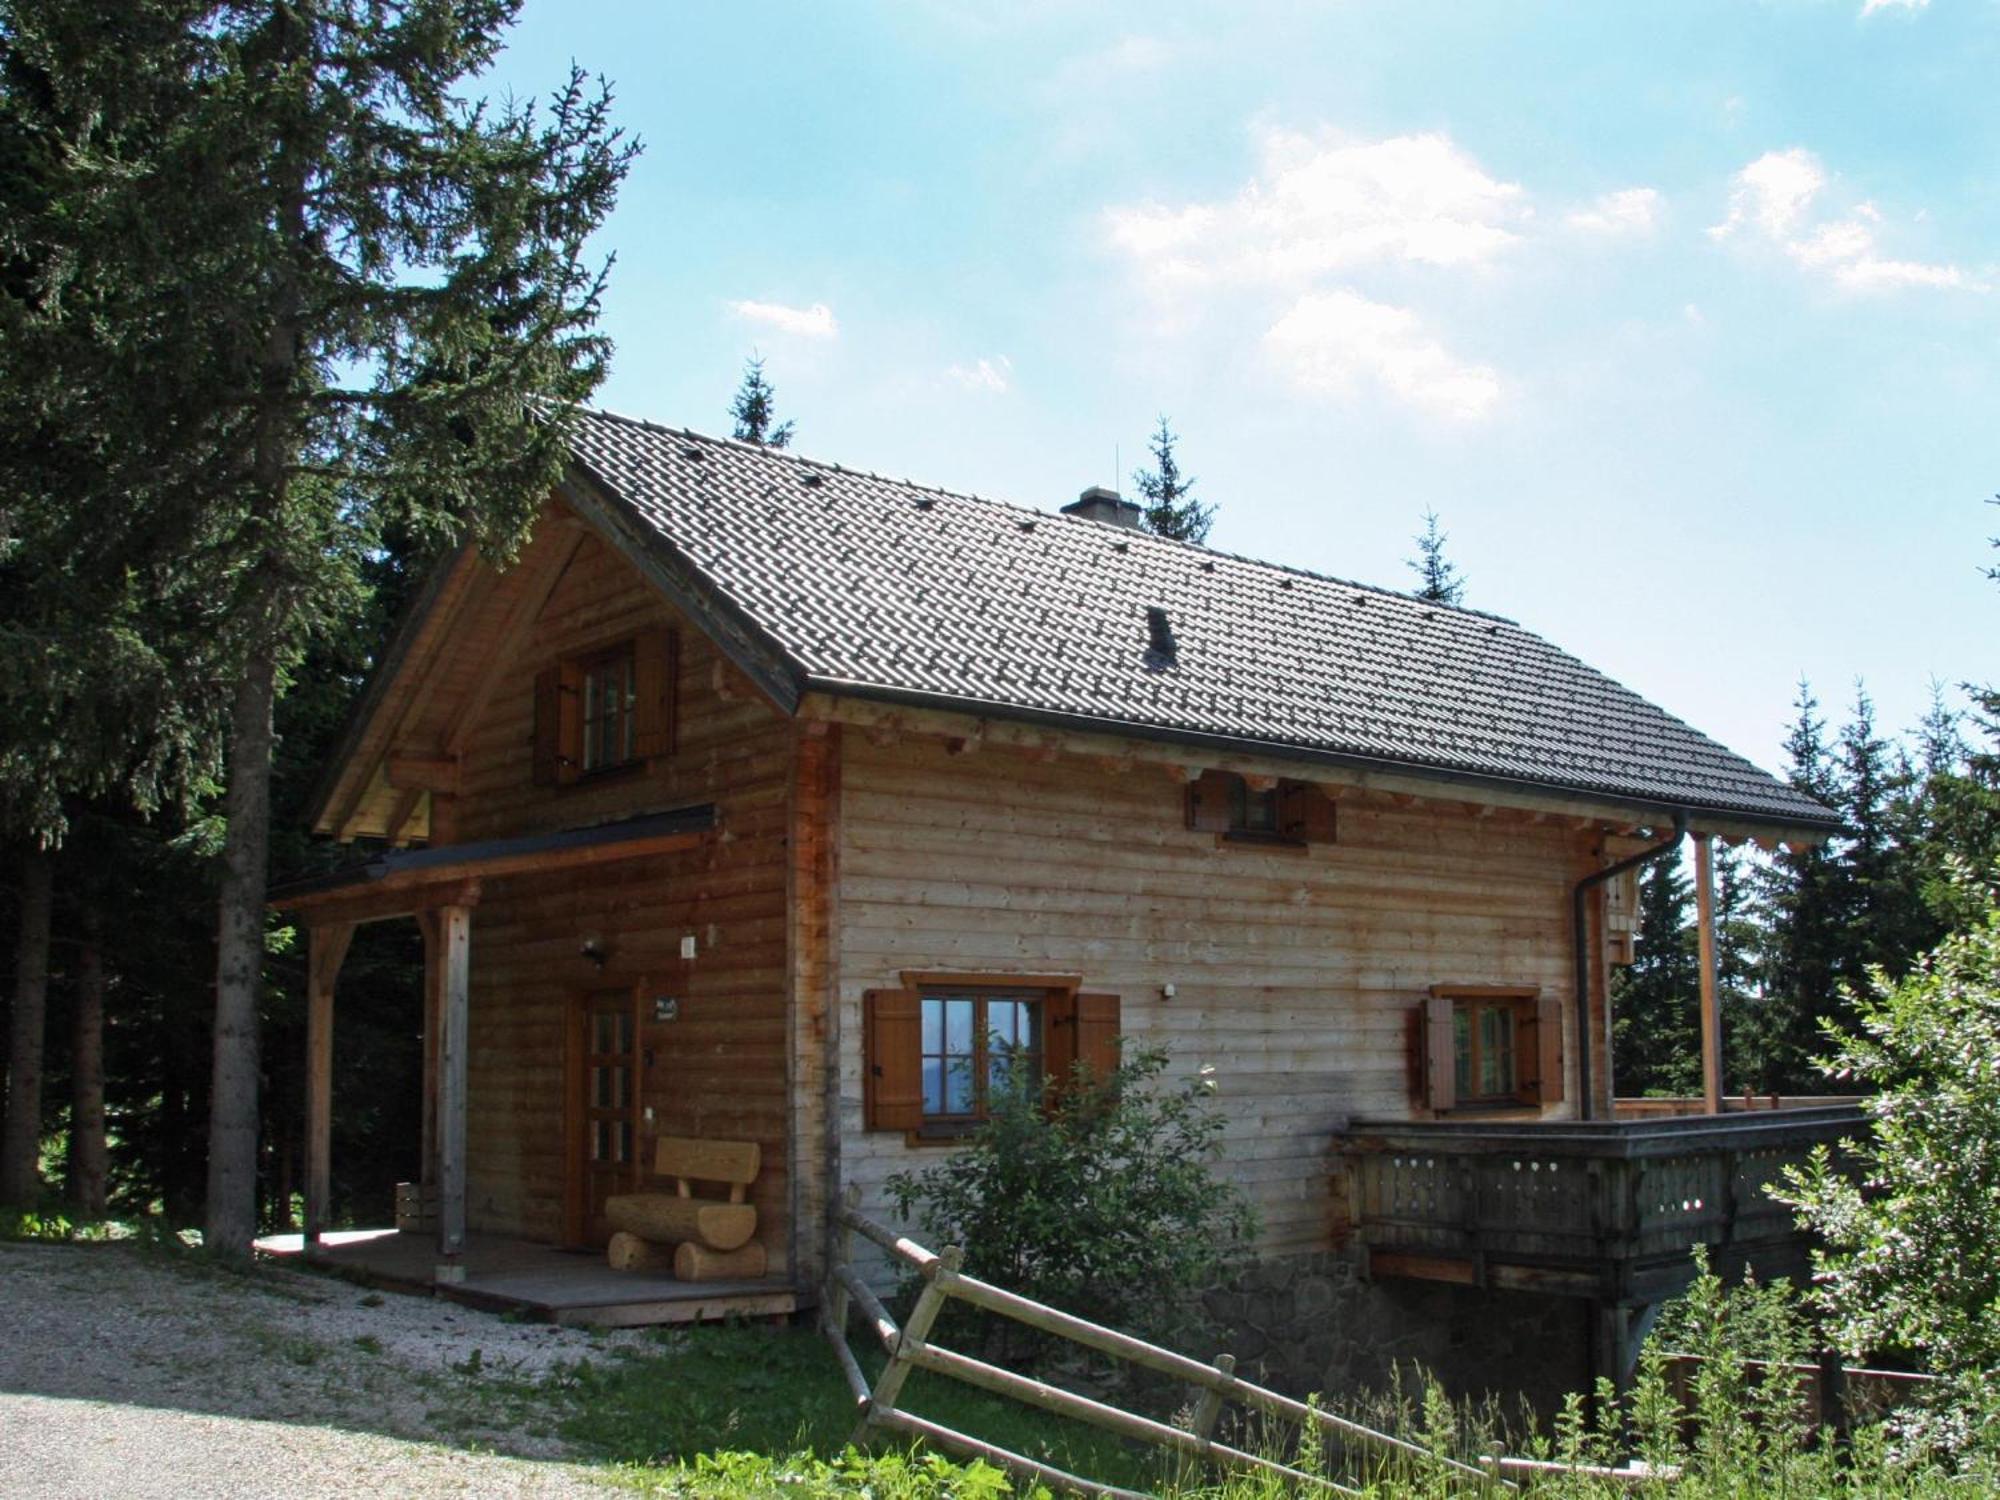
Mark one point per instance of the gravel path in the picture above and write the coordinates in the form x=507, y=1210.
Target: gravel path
x=130, y=1374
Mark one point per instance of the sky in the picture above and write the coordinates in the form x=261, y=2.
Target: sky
x=1684, y=318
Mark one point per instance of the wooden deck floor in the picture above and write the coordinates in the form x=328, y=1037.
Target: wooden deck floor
x=558, y=1286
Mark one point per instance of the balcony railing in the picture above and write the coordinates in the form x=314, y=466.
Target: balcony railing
x=1603, y=1209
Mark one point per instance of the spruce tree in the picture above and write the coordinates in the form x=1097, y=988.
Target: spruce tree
x=755, y=409
x=1171, y=509
x=326, y=294
x=1656, y=999
x=1441, y=582
x=1805, y=938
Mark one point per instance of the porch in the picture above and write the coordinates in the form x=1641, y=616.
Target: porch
x=542, y=1282
x=1604, y=1209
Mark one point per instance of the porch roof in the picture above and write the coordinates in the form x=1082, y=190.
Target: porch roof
x=393, y=874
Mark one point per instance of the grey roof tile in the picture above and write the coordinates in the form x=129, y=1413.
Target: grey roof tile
x=876, y=584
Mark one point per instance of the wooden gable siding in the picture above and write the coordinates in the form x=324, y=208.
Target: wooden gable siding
x=722, y=1069
x=1297, y=971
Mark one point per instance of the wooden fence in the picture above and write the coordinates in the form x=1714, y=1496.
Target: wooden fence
x=1215, y=1386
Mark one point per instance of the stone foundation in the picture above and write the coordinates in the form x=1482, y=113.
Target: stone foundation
x=1310, y=1323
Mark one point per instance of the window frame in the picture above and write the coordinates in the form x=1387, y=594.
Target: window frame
x=1536, y=1061
x=1287, y=814
x=647, y=724
x=587, y=667
x=1075, y=1027
x=946, y=1123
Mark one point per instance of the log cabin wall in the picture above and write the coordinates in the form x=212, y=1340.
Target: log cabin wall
x=721, y=1070
x=1296, y=970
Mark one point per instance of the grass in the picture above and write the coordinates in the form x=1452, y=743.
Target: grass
x=702, y=1391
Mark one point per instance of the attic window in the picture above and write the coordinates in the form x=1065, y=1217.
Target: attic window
x=811, y=481
x=1295, y=813
x=1160, y=633
x=607, y=708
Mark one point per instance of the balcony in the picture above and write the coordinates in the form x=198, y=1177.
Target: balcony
x=1607, y=1210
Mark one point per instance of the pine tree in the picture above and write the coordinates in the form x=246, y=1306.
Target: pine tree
x=1441, y=583
x=326, y=294
x=1171, y=509
x=755, y=409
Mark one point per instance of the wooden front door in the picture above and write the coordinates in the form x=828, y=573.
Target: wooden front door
x=604, y=1086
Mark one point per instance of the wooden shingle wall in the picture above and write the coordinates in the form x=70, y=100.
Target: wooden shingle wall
x=1296, y=971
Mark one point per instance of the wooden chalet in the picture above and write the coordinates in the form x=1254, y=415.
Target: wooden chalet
x=764, y=800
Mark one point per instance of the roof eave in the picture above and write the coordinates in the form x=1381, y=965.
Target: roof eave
x=1699, y=813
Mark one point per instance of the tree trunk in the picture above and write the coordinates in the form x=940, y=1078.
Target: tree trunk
x=21, y=1135
x=239, y=966
x=88, y=1156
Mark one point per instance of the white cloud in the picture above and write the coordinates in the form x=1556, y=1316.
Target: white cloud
x=1627, y=211
x=1869, y=7
x=990, y=375
x=1772, y=202
x=815, y=322
x=1330, y=342
x=1321, y=203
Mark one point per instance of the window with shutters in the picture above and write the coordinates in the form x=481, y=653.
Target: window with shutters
x=606, y=709
x=937, y=1051
x=1296, y=813
x=1490, y=1046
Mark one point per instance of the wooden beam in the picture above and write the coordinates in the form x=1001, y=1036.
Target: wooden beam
x=412, y=772
x=1711, y=1006
x=326, y=949
x=407, y=803
x=454, y=976
x=369, y=904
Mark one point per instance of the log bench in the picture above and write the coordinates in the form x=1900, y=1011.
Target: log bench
x=702, y=1239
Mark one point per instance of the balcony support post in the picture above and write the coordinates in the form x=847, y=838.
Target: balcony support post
x=1711, y=1004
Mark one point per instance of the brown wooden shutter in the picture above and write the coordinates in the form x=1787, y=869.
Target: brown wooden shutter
x=1549, y=1050
x=1097, y=1034
x=1059, y=1039
x=1305, y=812
x=548, y=726
x=1211, y=802
x=656, y=683
x=892, y=1085
x=1438, y=1053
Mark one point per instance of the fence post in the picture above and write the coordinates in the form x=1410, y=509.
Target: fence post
x=843, y=1254
x=916, y=1328
x=1209, y=1409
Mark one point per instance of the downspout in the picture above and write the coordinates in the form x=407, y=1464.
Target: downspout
x=1582, y=931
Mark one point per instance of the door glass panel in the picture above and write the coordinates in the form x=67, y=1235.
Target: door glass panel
x=604, y=1033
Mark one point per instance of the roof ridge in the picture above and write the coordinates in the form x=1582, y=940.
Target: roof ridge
x=1245, y=559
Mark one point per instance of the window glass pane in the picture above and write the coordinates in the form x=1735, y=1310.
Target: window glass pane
x=958, y=1086
x=933, y=1026
x=1496, y=1051
x=1461, y=1050
x=933, y=1085
x=958, y=1027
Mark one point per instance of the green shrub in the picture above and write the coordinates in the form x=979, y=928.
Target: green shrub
x=1100, y=1201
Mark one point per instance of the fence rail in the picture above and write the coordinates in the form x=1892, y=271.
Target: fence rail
x=1216, y=1385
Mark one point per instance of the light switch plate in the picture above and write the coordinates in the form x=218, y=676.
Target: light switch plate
x=687, y=946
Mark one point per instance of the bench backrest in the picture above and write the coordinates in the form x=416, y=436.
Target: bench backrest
x=733, y=1162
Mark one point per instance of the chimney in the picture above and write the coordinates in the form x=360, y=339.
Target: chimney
x=1099, y=504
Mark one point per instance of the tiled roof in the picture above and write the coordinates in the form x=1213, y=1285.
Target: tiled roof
x=881, y=587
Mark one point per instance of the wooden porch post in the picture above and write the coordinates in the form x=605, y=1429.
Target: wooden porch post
x=1711, y=1007
x=326, y=948
x=453, y=926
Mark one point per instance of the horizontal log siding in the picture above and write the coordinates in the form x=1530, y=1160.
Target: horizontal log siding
x=721, y=1070
x=1296, y=971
